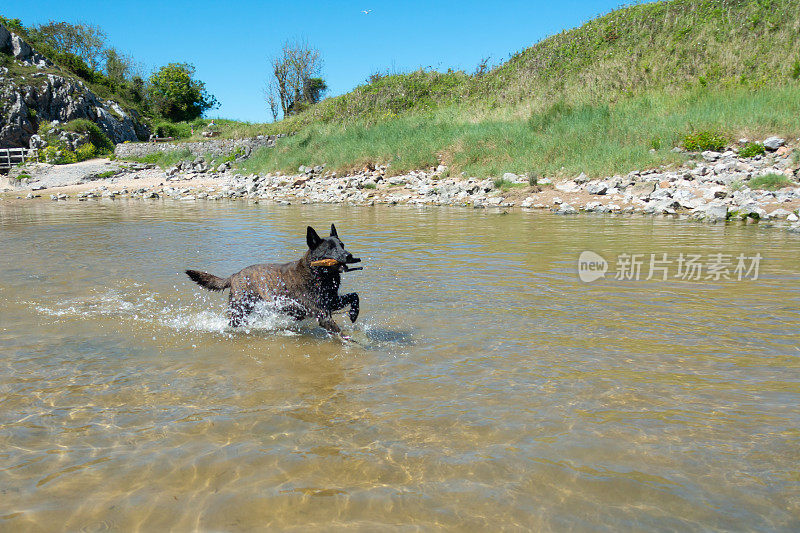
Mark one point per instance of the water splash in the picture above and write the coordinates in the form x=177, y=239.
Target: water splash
x=204, y=315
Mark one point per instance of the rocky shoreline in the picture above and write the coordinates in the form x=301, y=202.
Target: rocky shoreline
x=713, y=187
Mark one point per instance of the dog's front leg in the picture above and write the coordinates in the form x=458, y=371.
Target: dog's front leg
x=350, y=299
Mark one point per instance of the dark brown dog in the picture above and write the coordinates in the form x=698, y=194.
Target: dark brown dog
x=298, y=288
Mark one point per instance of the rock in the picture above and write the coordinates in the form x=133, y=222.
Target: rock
x=714, y=212
x=509, y=176
x=582, y=178
x=779, y=213
x=773, y=143
x=710, y=155
x=750, y=210
x=598, y=188
x=792, y=218
x=661, y=194
x=36, y=142
x=567, y=186
x=566, y=209
x=643, y=189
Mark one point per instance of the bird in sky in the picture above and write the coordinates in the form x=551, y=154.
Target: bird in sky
x=366, y=11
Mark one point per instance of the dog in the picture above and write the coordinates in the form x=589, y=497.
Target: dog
x=300, y=289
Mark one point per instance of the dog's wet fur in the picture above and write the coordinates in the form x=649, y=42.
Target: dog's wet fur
x=297, y=288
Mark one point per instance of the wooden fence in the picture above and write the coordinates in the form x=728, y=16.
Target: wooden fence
x=10, y=157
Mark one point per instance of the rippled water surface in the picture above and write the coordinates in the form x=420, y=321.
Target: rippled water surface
x=490, y=389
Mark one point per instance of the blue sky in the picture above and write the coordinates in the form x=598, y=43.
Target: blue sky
x=230, y=43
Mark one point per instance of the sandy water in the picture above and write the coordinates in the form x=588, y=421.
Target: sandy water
x=491, y=389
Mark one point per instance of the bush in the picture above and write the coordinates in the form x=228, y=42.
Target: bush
x=176, y=130
x=54, y=156
x=95, y=135
x=751, y=150
x=770, y=182
x=701, y=141
x=75, y=64
x=87, y=151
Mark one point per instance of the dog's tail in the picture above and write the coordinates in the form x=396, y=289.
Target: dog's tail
x=209, y=281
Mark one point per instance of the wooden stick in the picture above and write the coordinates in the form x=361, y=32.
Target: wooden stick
x=325, y=263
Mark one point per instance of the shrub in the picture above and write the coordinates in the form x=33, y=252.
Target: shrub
x=86, y=151
x=770, y=182
x=67, y=156
x=95, y=135
x=49, y=154
x=76, y=64
x=54, y=156
x=177, y=130
x=751, y=150
x=704, y=140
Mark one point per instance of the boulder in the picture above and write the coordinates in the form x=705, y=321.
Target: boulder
x=596, y=187
x=643, y=189
x=773, y=143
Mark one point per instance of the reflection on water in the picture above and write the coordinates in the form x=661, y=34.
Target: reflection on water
x=489, y=387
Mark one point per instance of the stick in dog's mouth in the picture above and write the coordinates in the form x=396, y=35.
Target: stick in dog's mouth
x=331, y=263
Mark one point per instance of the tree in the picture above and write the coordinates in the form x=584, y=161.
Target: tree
x=119, y=67
x=295, y=83
x=176, y=95
x=83, y=40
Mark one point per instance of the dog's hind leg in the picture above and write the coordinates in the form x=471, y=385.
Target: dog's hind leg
x=239, y=308
x=328, y=323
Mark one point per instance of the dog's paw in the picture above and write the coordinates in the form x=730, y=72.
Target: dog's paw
x=353, y=313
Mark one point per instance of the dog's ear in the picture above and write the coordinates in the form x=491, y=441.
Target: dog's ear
x=333, y=231
x=312, y=238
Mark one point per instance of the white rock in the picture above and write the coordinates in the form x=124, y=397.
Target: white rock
x=773, y=143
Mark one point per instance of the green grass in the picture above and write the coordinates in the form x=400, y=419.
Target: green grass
x=770, y=182
x=565, y=139
x=613, y=95
x=165, y=159
x=631, y=51
x=505, y=185
x=226, y=129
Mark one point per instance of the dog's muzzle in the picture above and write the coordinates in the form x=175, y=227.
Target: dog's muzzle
x=350, y=260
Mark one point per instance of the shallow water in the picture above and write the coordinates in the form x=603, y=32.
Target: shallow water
x=491, y=389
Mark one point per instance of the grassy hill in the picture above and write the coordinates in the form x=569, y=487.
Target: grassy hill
x=612, y=95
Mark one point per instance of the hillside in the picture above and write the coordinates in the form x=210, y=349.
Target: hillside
x=34, y=91
x=663, y=45
x=612, y=95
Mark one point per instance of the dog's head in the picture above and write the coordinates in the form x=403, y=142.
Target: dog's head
x=328, y=248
